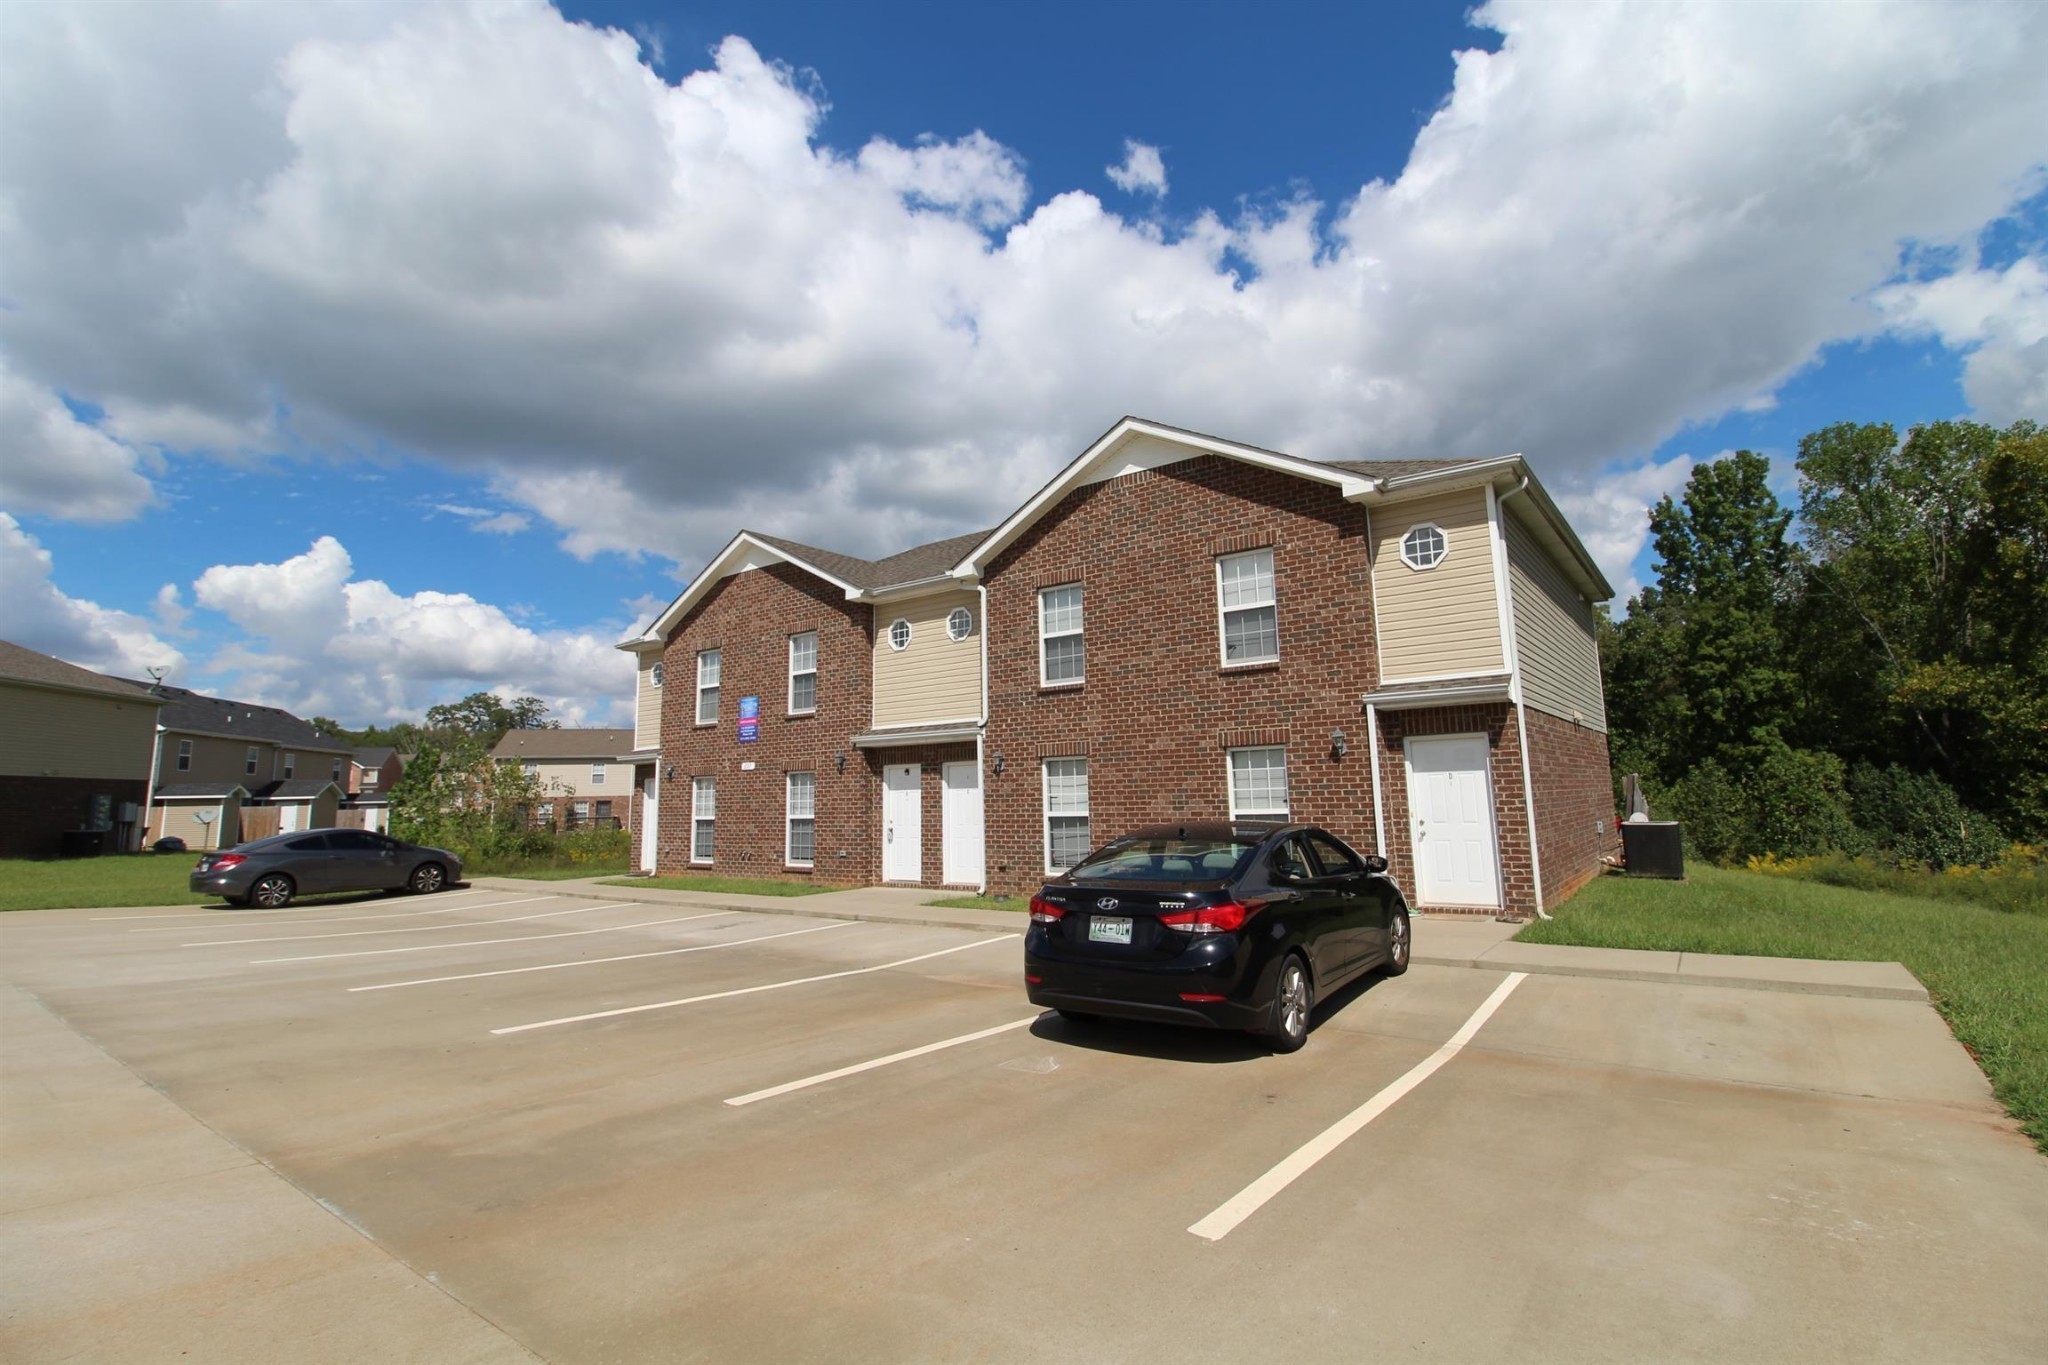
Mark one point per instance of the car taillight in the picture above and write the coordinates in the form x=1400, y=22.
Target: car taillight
x=220, y=862
x=1210, y=919
x=1045, y=912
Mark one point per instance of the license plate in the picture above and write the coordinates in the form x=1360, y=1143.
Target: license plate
x=1108, y=929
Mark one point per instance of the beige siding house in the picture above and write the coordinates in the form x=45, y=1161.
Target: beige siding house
x=586, y=776
x=1437, y=604
x=928, y=661
x=216, y=754
x=74, y=754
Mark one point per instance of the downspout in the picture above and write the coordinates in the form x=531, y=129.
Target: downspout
x=980, y=738
x=1515, y=684
x=156, y=756
x=1372, y=749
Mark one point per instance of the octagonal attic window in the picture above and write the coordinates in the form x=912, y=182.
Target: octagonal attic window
x=899, y=633
x=960, y=623
x=1424, y=547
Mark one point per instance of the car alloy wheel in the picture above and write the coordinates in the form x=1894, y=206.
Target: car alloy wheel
x=1397, y=943
x=273, y=891
x=428, y=878
x=1292, y=1000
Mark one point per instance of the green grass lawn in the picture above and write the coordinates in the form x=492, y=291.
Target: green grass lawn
x=120, y=879
x=1986, y=969
x=1018, y=903
x=551, y=872
x=748, y=886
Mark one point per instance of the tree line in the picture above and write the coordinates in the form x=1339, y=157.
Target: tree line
x=479, y=717
x=1863, y=673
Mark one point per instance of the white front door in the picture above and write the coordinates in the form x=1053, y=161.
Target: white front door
x=289, y=816
x=650, y=827
x=961, y=845
x=1450, y=822
x=902, y=824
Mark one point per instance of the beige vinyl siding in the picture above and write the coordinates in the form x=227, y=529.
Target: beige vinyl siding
x=1556, y=645
x=647, y=705
x=937, y=678
x=66, y=734
x=1437, y=622
x=565, y=777
x=176, y=819
x=218, y=760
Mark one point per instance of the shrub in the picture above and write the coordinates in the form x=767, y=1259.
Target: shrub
x=2016, y=880
x=1917, y=817
x=1769, y=798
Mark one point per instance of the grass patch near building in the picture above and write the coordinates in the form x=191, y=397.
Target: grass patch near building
x=535, y=870
x=116, y=879
x=1986, y=968
x=744, y=886
x=1017, y=903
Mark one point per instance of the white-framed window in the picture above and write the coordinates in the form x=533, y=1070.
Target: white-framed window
x=184, y=755
x=707, y=686
x=703, y=814
x=336, y=774
x=656, y=673
x=959, y=623
x=1066, y=812
x=801, y=805
x=1258, y=782
x=803, y=673
x=899, y=634
x=1245, y=607
x=1062, y=657
x=579, y=812
x=597, y=774
x=291, y=764
x=531, y=767
x=1424, y=546
x=544, y=814
x=371, y=777
x=249, y=758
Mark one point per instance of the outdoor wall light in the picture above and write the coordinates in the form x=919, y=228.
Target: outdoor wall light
x=999, y=765
x=670, y=774
x=1339, y=745
x=842, y=763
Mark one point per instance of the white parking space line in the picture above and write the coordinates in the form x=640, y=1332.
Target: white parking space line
x=1254, y=1196
x=417, y=928
x=483, y=942
x=331, y=919
x=288, y=910
x=750, y=990
x=593, y=961
x=772, y=1091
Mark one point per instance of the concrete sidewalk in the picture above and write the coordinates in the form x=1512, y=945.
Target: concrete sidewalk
x=1440, y=940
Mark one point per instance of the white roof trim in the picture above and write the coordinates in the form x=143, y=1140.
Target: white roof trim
x=916, y=734
x=1089, y=465
x=1399, y=698
x=744, y=551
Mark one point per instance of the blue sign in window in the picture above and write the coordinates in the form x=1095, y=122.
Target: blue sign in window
x=750, y=720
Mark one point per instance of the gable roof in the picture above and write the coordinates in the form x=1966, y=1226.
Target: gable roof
x=373, y=757
x=194, y=713
x=199, y=791
x=296, y=789
x=19, y=664
x=603, y=746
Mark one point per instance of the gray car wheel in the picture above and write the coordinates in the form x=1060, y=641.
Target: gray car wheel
x=1293, y=997
x=273, y=891
x=427, y=878
x=1399, y=934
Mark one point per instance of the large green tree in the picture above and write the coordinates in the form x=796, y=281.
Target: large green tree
x=485, y=717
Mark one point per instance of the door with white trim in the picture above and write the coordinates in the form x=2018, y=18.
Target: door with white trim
x=1450, y=821
x=902, y=824
x=650, y=824
x=961, y=847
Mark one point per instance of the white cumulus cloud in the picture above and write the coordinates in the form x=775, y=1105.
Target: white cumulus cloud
x=1143, y=170
x=36, y=614
x=54, y=464
x=2000, y=317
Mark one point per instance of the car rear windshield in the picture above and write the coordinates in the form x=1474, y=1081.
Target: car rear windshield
x=1167, y=860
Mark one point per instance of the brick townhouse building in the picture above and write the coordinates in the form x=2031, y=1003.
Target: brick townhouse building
x=1175, y=627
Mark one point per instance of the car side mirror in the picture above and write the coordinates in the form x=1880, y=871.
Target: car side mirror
x=1375, y=863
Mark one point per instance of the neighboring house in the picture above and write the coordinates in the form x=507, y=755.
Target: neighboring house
x=372, y=773
x=586, y=776
x=1176, y=626
x=74, y=754
x=214, y=756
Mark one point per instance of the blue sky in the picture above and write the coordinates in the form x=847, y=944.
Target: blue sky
x=354, y=357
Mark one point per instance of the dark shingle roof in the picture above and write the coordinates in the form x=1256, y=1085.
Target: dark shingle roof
x=374, y=758
x=198, y=789
x=601, y=745
x=25, y=665
x=188, y=710
x=296, y=789
x=1391, y=469
x=907, y=566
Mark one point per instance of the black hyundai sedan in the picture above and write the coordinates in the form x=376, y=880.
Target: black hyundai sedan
x=1217, y=924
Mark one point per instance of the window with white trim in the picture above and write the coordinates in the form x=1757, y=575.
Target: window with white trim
x=184, y=755
x=1258, y=782
x=959, y=623
x=1062, y=656
x=531, y=767
x=707, y=686
x=597, y=774
x=249, y=757
x=1246, y=608
x=291, y=764
x=336, y=774
x=801, y=805
x=1424, y=546
x=803, y=673
x=656, y=673
x=899, y=634
x=1066, y=812
x=703, y=815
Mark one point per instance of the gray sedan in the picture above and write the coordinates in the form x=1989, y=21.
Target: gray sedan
x=272, y=871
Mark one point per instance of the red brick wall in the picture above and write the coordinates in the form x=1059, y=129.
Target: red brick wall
x=750, y=617
x=1575, y=810
x=35, y=811
x=931, y=760
x=1496, y=720
x=1158, y=709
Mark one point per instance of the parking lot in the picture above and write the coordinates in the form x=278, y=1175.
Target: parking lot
x=500, y=1124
